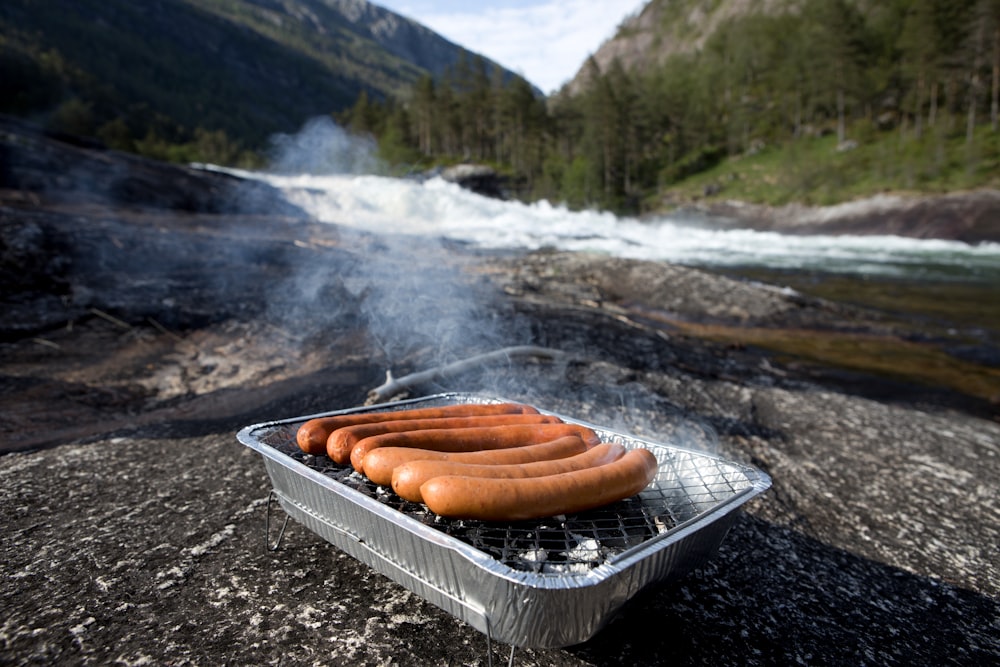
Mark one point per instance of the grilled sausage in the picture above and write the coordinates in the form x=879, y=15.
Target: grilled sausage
x=379, y=463
x=312, y=436
x=491, y=499
x=470, y=439
x=342, y=441
x=409, y=477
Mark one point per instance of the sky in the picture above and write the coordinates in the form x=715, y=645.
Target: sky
x=545, y=41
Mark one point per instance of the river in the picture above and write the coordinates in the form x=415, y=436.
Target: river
x=437, y=208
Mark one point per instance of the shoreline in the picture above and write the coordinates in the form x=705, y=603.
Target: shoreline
x=952, y=328
x=971, y=216
x=960, y=302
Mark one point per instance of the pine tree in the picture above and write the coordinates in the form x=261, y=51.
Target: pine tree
x=424, y=107
x=838, y=54
x=918, y=47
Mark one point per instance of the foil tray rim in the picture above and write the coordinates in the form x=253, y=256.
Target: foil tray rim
x=759, y=481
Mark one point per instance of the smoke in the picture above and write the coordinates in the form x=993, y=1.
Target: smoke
x=322, y=147
x=419, y=301
x=416, y=296
x=645, y=413
x=422, y=302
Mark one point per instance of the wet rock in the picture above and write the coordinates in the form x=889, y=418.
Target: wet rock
x=40, y=166
x=481, y=179
x=972, y=217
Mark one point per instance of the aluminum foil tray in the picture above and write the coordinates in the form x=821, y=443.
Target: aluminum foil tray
x=538, y=584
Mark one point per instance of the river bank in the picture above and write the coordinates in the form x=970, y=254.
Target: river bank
x=948, y=330
x=971, y=217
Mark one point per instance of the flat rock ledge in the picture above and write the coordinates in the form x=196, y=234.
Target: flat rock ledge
x=134, y=522
x=141, y=549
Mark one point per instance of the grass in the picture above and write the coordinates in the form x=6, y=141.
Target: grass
x=812, y=170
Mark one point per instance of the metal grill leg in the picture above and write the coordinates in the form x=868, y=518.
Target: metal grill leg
x=267, y=526
x=489, y=647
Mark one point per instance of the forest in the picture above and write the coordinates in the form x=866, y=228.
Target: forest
x=825, y=102
x=200, y=80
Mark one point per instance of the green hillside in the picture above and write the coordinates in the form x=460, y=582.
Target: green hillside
x=810, y=101
x=181, y=79
x=773, y=101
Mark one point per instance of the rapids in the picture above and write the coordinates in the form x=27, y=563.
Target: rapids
x=437, y=208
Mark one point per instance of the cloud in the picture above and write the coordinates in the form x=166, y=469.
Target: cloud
x=545, y=41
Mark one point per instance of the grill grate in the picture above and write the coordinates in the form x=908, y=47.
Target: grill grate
x=684, y=488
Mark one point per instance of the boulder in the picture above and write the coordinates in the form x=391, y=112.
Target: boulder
x=481, y=179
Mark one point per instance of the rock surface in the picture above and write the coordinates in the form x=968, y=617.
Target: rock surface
x=971, y=217
x=481, y=179
x=135, y=529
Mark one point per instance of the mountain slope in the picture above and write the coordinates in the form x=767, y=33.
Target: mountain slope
x=247, y=67
x=667, y=27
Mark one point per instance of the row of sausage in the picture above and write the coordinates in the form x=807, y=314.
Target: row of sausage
x=489, y=462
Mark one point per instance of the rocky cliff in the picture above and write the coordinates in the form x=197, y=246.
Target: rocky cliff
x=405, y=38
x=664, y=28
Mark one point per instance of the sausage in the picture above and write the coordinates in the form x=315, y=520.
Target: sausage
x=491, y=499
x=408, y=478
x=341, y=441
x=470, y=439
x=379, y=463
x=313, y=434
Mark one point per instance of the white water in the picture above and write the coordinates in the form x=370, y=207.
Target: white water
x=438, y=208
x=320, y=169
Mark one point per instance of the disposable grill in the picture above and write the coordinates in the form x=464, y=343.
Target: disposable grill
x=544, y=583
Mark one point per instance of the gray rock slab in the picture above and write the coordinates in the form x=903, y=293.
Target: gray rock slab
x=152, y=550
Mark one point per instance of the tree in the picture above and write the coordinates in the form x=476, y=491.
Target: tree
x=918, y=48
x=74, y=116
x=977, y=45
x=519, y=126
x=988, y=12
x=396, y=145
x=838, y=56
x=424, y=104
x=116, y=135
x=602, y=143
x=364, y=116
